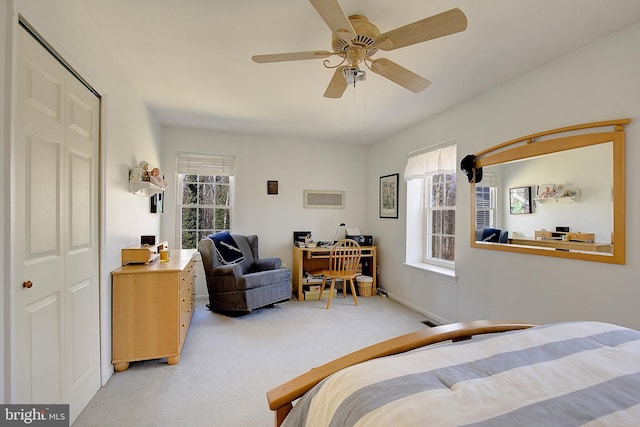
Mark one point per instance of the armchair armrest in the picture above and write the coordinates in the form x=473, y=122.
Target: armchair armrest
x=227, y=270
x=267, y=264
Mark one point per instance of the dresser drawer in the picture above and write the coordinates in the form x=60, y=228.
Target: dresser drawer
x=187, y=276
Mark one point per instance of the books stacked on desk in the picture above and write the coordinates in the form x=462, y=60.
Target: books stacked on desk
x=312, y=285
x=313, y=278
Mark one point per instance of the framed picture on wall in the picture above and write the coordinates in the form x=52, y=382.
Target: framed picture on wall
x=389, y=196
x=520, y=200
x=157, y=203
x=272, y=187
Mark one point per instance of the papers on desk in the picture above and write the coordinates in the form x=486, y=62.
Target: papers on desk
x=353, y=231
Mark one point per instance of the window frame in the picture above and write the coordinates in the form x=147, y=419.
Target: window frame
x=207, y=170
x=420, y=166
x=429, y=210
x=492, y=209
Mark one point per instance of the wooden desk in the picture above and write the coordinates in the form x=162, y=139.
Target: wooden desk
x=309, y=259
x=564, y=245
x=152, y=308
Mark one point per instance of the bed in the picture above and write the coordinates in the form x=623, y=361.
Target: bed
x=483, y=373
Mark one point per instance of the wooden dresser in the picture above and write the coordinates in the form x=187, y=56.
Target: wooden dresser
x=152, y=308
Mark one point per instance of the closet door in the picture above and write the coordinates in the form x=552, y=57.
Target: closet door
x=56, y=308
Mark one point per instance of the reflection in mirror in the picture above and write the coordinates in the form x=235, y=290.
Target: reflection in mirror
x=554, y=196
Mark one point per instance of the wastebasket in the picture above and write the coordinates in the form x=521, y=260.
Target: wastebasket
x=365, y=285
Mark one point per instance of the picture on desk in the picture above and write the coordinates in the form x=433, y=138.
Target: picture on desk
x=300, y=236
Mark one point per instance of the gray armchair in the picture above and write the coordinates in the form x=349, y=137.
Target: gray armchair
x=494, y=235
x=246, y=285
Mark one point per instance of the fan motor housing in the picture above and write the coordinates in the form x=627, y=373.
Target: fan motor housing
x=366, y=34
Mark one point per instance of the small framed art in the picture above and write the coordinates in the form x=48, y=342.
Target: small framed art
x=157, y=203
x=389, y=196
x=520, y=200
x=272, y=187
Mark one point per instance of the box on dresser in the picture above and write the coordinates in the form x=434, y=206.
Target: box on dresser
x=142, y=254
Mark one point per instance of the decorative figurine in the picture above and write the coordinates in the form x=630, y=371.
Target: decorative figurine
x=156, y=178
x=144, y=165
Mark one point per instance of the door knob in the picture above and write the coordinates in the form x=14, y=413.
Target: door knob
x=27, y=284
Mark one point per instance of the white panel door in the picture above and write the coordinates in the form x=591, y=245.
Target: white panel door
x=82, y=320
x=55, y=316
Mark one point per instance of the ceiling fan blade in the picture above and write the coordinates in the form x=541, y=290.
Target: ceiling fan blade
x=335, y=18
x=337, y=85
x=291, y=56
x=400, y=75
x=443, y=24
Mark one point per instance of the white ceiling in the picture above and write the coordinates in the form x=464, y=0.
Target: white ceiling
x=191, y=59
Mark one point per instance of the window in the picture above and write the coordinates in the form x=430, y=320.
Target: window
x=431, y=207
x=205, y=190
x=486, y=191
x=441, y=218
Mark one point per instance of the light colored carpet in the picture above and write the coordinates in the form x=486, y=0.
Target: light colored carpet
x=228, y=363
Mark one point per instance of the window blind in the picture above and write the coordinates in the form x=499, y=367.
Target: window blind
x=205, y=164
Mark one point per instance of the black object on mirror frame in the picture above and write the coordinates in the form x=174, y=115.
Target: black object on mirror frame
x=468, y=165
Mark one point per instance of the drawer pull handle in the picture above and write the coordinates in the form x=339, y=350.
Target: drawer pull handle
x=28, y=284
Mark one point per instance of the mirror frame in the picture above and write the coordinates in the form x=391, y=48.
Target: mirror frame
x=548, y=142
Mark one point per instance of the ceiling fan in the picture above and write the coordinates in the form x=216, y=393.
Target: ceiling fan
x=356, y=41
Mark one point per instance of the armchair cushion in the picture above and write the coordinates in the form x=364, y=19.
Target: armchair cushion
x=262, y=278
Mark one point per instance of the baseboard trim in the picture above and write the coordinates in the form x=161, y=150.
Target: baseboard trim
x=430, y=316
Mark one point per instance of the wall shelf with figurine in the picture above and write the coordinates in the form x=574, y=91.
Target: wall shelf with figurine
x=557, y=194
x=144, y=182
x=144, y=188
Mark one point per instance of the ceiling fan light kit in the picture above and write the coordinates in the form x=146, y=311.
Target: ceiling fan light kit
x=353, y=75
x=356, y=41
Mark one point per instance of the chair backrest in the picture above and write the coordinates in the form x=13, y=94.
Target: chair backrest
x=345, y=257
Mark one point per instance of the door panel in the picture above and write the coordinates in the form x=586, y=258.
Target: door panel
x=42, y=181
x=81, y=258
x=44, y=339
x=39, y=311
x=80, y=189
x=56, y=320
x=81, y=331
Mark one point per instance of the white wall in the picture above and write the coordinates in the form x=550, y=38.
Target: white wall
x=597, y=82
x=128, y=134
x=296, y=165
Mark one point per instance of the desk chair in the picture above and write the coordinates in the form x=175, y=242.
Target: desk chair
x=344, y=260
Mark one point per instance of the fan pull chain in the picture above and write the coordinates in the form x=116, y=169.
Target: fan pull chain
x=364, y=112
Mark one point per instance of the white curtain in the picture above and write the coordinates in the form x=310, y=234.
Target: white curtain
x=440, y=160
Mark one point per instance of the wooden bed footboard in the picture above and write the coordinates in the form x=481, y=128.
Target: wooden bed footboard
x=281, y=397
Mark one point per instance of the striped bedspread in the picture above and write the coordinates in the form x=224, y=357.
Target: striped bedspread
x=566, y=374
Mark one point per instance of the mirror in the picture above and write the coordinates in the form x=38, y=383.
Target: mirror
x=556, y=193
